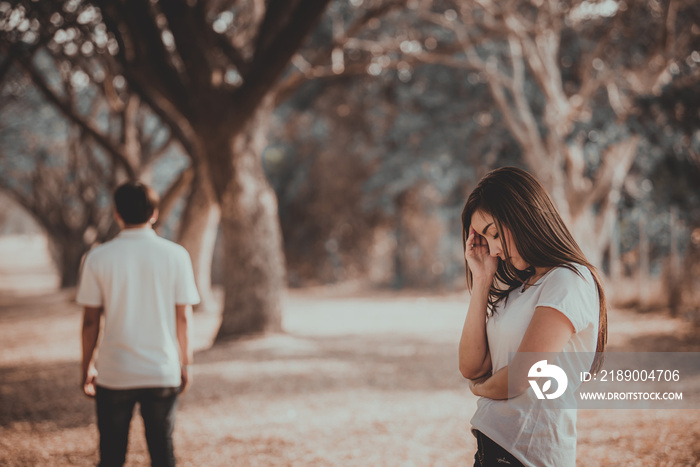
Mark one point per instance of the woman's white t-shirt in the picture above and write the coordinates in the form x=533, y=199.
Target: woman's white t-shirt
x=534, y=435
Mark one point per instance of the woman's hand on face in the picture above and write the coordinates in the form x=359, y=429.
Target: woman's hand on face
x=482, y=265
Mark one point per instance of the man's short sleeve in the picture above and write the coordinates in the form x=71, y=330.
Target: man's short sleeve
x=185, y=287
x=89, y=290
x=574, y=296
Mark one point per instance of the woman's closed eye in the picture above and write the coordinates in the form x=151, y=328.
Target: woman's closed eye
x=495, y=236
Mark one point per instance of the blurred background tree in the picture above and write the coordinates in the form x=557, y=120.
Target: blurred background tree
x=66, y=146
x=670, y=168
x=206, y=70
x=562, y=78
x=337, y=141
x=556, y=100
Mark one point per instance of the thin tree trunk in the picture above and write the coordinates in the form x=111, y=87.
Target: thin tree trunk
x=615, y=261
x=254, y=271
x=199, y=225
x=399, y=250
x=643, y=261
x=672, y=277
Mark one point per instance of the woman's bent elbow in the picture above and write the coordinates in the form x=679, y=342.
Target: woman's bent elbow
x=469, y=371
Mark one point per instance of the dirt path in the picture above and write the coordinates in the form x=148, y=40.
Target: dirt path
x=355, y=381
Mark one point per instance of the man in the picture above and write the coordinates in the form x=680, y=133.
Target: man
x=142, y=286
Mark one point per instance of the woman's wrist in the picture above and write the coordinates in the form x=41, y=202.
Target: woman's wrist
x=482, y=283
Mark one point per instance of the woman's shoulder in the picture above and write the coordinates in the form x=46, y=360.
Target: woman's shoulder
x=570, y=273
x=572, y=290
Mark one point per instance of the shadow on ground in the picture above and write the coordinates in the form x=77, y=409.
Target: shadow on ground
x=268, y=366
x=44, y=393
x=290, y=365
x=661, y=342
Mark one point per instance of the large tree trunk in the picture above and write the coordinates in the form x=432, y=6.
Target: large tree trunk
x=67, y=252
x=199, y=225
x=254, y=262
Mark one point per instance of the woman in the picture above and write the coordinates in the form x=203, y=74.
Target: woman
x=532, y=290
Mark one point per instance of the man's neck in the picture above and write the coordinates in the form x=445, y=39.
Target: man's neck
x=147, y=225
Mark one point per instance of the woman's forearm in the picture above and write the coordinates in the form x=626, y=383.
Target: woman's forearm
x=498, y=386
x=494, y=387
x=474, y=358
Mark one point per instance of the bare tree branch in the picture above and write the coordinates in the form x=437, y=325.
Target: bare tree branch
x=6, y=63
x=616, y=163
x=233, y=54
x=316, y=68
x=141, y=50
x=277, y=14
x=269, y=63
x=67, y=110
x=173, y=194
x=190, y=35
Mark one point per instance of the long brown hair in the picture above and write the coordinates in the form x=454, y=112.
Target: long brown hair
x=519, y=203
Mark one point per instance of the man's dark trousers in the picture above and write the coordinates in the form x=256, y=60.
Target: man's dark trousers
x=114, y=410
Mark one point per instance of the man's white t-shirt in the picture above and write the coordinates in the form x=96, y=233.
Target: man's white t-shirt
x=138, y=278
x=539, y=436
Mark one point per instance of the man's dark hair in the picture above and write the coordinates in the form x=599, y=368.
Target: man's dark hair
x=135, y=202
